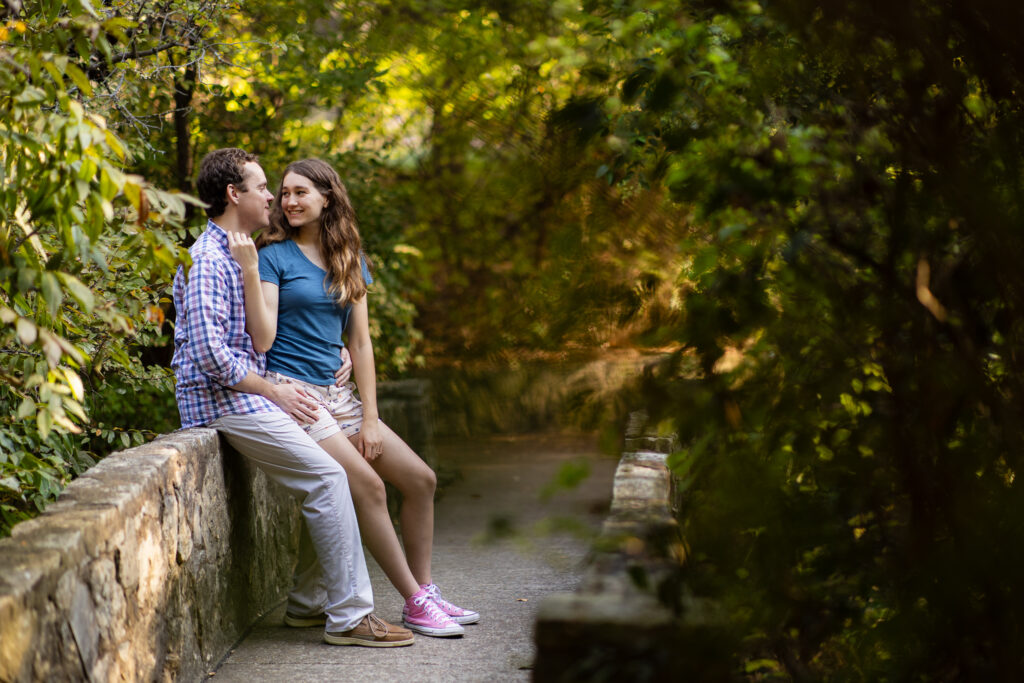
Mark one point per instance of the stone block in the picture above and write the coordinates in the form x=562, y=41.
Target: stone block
x=18, y=622
x=69, y=538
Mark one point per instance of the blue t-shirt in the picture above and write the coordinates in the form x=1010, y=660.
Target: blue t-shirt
x=309, y=320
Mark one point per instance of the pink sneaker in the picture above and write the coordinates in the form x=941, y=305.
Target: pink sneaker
x=420, y=614
x=457, y=614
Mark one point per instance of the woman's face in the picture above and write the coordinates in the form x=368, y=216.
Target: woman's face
x=301, y=202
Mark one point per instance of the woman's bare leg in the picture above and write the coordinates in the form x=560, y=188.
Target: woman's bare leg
x=371, y=505
x=400, y=466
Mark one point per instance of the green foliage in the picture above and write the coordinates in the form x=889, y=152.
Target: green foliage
x=849, y=293
x=83, y=249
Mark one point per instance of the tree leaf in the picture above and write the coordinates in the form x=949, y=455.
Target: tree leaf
x=27, y=407
x=78, y=291
x=27, y=331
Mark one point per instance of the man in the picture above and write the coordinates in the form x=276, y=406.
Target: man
x=220, y=384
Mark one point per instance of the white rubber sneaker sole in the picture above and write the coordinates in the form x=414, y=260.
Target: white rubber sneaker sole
x=470, y=618
x=446, y=632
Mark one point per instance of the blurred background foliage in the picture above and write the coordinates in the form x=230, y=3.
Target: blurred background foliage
x=808, y=214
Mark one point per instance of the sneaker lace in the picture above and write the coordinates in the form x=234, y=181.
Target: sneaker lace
x=435, y=594
x=431, y=608
x=378, y=627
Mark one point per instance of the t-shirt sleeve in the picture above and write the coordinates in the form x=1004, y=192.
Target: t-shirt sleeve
x=270, y=267
x=367, y=278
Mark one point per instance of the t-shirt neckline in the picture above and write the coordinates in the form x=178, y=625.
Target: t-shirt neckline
x=303, y=255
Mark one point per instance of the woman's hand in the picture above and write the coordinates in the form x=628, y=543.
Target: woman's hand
x=345, y=371
x=243, y=250
x=298, y=404
x=371, y=440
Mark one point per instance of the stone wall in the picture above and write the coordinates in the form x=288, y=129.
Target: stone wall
x=615, y=627
x=405, y=405
x=153, y=563
x=149, y=566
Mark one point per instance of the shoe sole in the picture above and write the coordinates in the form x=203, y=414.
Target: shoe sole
x=349, y=640
x=304, y=622
x=465, y=620
x=436, y=632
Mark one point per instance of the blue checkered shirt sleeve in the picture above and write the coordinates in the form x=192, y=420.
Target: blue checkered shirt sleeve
x=213, y=352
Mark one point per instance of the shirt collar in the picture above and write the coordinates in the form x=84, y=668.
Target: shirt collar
x=218, y=233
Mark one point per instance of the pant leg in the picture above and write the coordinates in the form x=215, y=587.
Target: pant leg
x=289, y=456
x=308, y=595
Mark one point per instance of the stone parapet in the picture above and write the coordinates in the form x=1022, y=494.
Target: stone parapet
x=153, y=563
x=614, y=627
x=149, y=566
x=405, y=406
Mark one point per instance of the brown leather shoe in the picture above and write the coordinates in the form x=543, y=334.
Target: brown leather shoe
x=372, y=632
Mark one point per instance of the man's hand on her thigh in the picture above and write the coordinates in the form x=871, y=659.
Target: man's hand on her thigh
x=296, y=402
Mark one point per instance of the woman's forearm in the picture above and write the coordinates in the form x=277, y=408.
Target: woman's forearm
x=260, y=311
x=366, y=378
x=259, y=322
x=360, y=346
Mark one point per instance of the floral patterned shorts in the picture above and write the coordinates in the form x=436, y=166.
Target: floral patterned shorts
x=339, y=410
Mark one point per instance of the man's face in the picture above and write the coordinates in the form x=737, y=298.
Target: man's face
x=254, y=201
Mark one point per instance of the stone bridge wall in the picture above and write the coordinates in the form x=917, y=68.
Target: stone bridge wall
x=149, y=566
x=153, y=563
x=615, y=627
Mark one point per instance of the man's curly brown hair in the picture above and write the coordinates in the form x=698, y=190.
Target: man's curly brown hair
x=218, y=169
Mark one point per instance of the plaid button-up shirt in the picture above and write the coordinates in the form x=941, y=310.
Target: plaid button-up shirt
x=212, y=350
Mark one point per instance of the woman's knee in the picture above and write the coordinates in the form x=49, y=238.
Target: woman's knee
x=369, y=490
x=422, y=482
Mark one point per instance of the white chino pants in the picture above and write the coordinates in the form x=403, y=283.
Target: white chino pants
x=331, y=572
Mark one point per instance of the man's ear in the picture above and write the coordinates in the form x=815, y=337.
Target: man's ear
x=232, y=192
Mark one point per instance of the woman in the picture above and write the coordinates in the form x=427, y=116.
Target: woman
x=306, y=287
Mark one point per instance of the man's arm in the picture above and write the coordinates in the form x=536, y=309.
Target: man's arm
x=292, y=400
x=209, y=310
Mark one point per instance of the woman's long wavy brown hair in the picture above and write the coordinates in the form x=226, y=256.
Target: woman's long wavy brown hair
x=340, y=244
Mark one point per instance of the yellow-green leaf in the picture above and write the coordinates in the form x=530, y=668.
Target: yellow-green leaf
x=63, y=421
x=52, y=347
x=75, y=383
x=75, y=408
x=26, y=330
x=27, y=407
x=115, y=145
x=78, y=78
x=44, y=422
x=78, y=291
x=52, y=292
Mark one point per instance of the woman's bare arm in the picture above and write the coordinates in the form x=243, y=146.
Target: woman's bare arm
x=360, y=346
x=260, y=297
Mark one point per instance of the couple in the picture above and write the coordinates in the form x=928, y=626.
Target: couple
x=258, y=355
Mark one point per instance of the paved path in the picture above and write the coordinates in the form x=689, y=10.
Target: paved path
x=504, y=580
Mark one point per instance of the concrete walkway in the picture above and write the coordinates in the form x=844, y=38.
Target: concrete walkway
x=501, y=478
